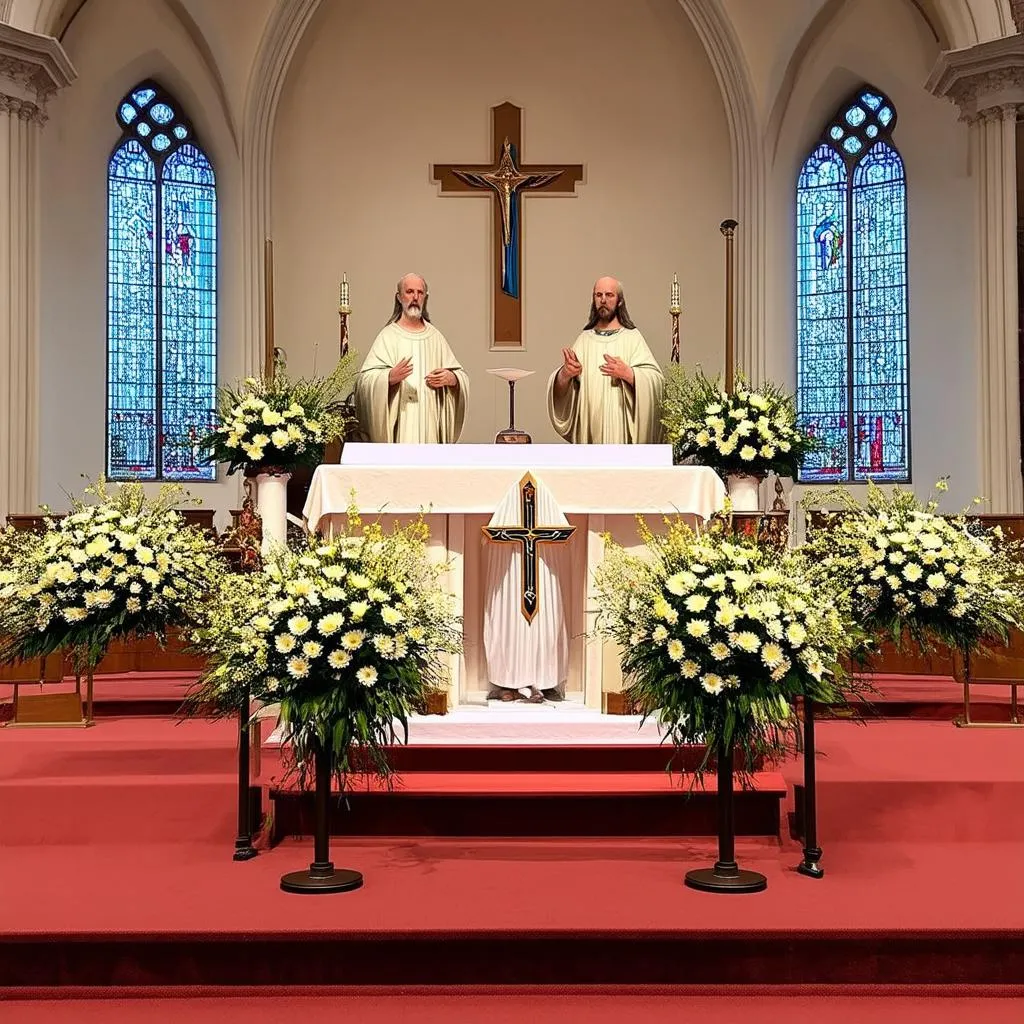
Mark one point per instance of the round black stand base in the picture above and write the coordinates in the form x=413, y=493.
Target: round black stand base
x=809, y=866
x=245, y=852
x=726, y=878
x=321, y=878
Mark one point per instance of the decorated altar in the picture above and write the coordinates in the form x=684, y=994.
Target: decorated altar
x=599, y=489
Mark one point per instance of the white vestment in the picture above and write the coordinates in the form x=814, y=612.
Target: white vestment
x=523, y=653
x=412, y=412
x=596, y=409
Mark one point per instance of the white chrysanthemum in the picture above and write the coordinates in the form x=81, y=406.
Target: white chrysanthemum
x=676, y=584
x=359, y=581
x=936, y=581
x=912, y=572
x=298, y=668
x=719, y=651
x=771, y=655
x=299, y=588
x=334, y=594
x=696, y=603
x=713, y=683
x=971, y=575
x=339, y=659
x=767, y=451
x=133, y=605
x=747, y=641
x=285, y=643
x=676, y=650
x=299, y=625
x=391, y=616
x=75, y=614
x=384, y=645
x=698, y=628
x=151, y=576
x=311, y=649
x=727, y=615
x=928, y=599
x=358, y=609
x=330, y=624
x=377, y=595
x=353, y=639
x=334, y=572
x=367, y=675
x=689, y=669
x=144, y=555
x=747, y=453
x=417, y=634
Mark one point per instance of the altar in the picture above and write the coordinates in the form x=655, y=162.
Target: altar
x=599, y=488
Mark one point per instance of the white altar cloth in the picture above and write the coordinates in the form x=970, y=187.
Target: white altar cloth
x=600, y=488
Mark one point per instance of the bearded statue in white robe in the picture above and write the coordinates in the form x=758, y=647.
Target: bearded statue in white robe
x=411, y=389
x=609, y=387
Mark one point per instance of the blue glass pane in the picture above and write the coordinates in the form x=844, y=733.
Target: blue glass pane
x=880, y=340
x=885, y=115
x=161, y=142
x=852, y=145
x=131, y=321
x=188, y=310
x=822, y=350
x=836, y=132
x=180, y=131
x=871, y=131
x=871, y=100
x=143, y=129
x=143, y=96
x=855, y=116
x=127, y=113
x=162, y=114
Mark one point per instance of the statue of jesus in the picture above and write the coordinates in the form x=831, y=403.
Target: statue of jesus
x=411, y=388
x=608, y=389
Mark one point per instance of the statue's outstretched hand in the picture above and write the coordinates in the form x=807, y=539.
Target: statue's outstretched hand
x=571, y=366
x=399, y=372
x=615, y=367
x=437, y=379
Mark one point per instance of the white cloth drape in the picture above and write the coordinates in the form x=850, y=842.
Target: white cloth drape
x=521, y=653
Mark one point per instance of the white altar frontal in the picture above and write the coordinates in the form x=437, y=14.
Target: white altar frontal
x=599, y=489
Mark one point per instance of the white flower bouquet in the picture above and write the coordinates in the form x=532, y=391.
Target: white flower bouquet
x=344, y=635
x=275, y=424
x=124, y=565
x=752, y=431
x=908, y=571
x=718, y=635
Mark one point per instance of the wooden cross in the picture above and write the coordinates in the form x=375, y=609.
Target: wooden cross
x=529, y=535
x=507, y=180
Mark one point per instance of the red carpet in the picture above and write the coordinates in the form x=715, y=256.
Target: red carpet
x=118, y=843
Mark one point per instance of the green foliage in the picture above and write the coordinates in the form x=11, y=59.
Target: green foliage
x=719, y=635
x=751, y=431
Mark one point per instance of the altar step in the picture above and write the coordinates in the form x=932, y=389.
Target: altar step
x=535, y=803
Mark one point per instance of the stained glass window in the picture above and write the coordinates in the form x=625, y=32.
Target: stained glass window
x=853, y=387
x=161, y=293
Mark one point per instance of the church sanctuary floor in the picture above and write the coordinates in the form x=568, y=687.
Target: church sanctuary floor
x=120, y=840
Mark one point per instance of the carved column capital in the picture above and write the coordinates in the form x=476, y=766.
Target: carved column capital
x=984, y=81
x=32, y=69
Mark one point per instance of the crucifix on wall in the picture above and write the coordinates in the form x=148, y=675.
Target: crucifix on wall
x=506, y=180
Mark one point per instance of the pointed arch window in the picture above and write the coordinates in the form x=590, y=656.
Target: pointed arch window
x=161, y=293
x=853, y=383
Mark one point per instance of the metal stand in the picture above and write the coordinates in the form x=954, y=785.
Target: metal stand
x=809, y=866
x=726, y=876
x=244, y=850
x=321, y=876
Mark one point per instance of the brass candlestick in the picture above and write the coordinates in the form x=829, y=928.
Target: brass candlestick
x=675, y=309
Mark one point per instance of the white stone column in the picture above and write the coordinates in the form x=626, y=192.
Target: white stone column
x=986, y=82
x=32, y=68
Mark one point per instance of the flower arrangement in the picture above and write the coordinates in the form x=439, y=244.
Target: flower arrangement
x=273, y=424
x=752, y=431
x=909, y=571
x=718, y=635
x=123, y=565
x=344, y=635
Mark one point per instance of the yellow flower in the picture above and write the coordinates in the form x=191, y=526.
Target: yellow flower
x=747, y=454
x=358, y=609
x=280, y=438
x=689, y=670
x=719, y=651
x=339, y=659
x=660, y=633
x=311, y=649
x=330, y=624
x=298, y=668
x=391, y=616
x=936, y=581
x=796, y=634
x=75, y=614
x=676, y=650
x=696, y=603
x=299, y=625
x=698, y=628
x=367, y=675
x=747, y=641
x=285, y=643
x=353, y=639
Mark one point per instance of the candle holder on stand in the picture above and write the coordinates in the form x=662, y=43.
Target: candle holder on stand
x=512, y=435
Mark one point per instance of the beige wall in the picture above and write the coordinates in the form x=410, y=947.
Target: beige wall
x=887, y=44
x=381, y=91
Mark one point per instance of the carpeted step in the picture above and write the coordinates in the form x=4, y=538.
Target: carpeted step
x=535, y=804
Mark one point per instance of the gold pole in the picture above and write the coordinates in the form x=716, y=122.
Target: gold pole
x=268, y=308
x=675, y=309
x=728, y=228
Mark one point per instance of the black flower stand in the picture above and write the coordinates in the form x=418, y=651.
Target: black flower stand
x=726, y=876
x=322, y=876
x=809, y=866
x=244, y=850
